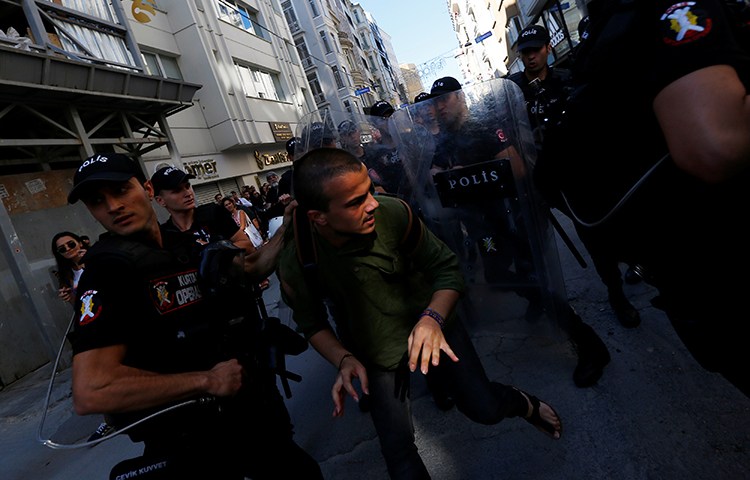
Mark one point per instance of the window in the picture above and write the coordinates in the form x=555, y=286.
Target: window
x=241, y=16
x=335, y=43
x=337, y=77
x=304, y=53
x=346, y=77
x=324, y=40
x=356, y=16
x=348, y=106
x=260, y=84
x=159, y=65
x=290, y=16
x=514, y=29
x=314, y=8
x=291, y=51
x=317, y=92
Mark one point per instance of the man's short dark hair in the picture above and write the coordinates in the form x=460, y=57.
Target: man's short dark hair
x=315, y=169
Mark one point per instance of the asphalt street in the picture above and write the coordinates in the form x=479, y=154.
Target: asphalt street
x=655, y=414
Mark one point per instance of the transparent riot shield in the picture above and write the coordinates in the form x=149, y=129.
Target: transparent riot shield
x=318, y=129
x=369, y=138
x=467, y=157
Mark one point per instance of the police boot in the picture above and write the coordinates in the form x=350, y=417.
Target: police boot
x=593, y=355
x=633, y=275
x=625, y=311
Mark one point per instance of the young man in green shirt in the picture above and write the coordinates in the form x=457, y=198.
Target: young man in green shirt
x=392, y=301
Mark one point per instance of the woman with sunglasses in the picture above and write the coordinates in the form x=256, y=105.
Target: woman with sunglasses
x=67, y=247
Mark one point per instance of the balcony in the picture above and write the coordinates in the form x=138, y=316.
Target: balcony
x=28, y=75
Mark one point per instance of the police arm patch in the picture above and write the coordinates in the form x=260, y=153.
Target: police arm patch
x=684, y=22
x=91, y=307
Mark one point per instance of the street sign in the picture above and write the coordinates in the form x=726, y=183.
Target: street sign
x=361, y=91
x=482, y=37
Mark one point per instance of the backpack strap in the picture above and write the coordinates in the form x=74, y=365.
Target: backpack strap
x=307, y=251
x=413, y=233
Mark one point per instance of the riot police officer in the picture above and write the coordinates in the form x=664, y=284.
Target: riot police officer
x=150, y=340
x=546, y=90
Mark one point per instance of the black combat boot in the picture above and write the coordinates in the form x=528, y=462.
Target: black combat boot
x=593, y=355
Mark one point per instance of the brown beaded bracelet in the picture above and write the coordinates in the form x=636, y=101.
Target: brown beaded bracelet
x=341, y=362
x=434, y=315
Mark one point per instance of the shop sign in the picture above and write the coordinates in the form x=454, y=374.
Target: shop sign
x=281, y=131
x=203, y=169
x=269, y=159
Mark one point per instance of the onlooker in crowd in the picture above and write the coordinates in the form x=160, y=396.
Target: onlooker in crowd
x=240, y=201
x=272, y=196
x=243, y=221
x=252, y=211
x=361, y=260
x=151, y=340
x=496, y=228
x=275, y=201
x=663, y=169
x=218, y=198
x=68, y=250
x=546, y=90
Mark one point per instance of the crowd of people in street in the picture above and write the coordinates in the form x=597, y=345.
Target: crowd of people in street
x=392, y=215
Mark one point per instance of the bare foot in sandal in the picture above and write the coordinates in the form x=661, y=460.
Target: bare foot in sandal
x=543, y=416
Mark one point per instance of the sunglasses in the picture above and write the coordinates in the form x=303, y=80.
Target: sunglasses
x=69, y=245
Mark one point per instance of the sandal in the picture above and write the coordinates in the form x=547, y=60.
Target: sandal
x=536, y=419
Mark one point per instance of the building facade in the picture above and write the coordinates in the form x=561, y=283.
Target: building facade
x=213, y=86
x=488, y=32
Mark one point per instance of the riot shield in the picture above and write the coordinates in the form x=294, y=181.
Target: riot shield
x=468, y=158
x=367, y=137
x=318, y=129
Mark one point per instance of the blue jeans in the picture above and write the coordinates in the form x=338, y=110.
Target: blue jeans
x=478, y=398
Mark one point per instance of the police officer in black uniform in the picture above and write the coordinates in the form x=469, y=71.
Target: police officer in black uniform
x=200, y=224
x=673, y=189
x=496, y=227
x=546, y=90
x=149, y=338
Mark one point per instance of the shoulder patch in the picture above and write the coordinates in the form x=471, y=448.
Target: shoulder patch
x=91, y=307
x=684, y=22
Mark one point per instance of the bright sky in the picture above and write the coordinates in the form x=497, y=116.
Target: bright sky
x=421, y=33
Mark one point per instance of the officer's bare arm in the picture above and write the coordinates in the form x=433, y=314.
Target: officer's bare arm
x=102, y=384
x=705, y=117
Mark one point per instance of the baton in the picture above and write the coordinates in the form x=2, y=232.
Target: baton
x=566, y=239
